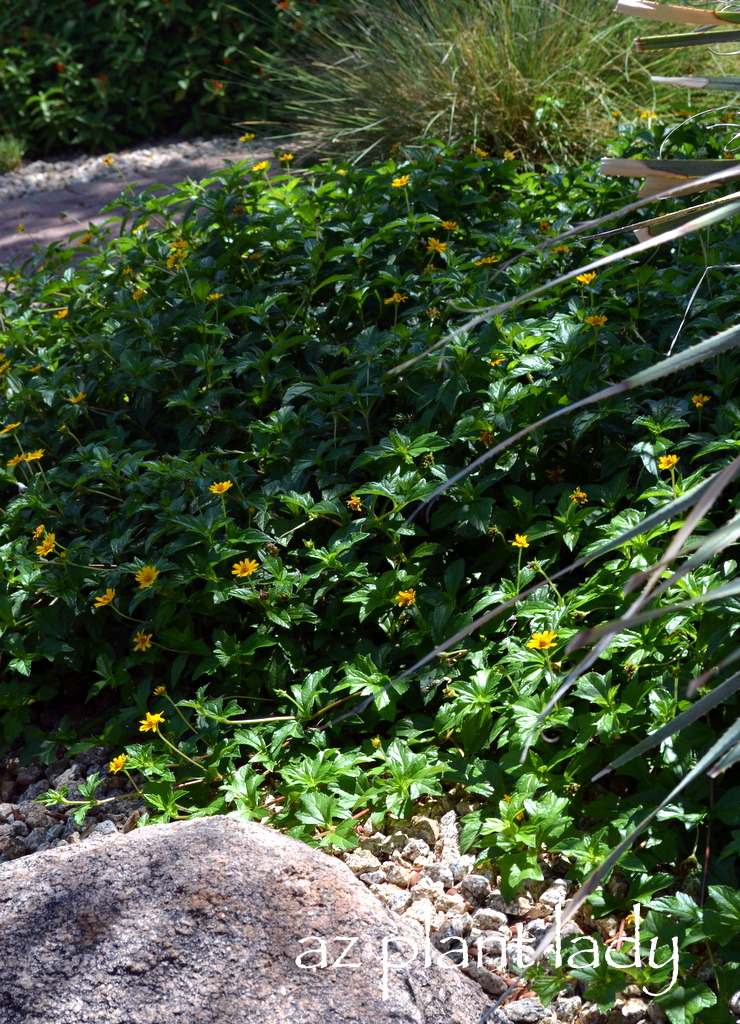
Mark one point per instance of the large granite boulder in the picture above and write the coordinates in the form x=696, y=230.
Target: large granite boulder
x=211, y=921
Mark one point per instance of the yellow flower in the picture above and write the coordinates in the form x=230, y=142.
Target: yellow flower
x=545, y=225
x=84, y=239
x=286, y=158
x=559, y=249
x=247, y=137
x=488, y=259
x=433, y=313
x=667, y=461
x=594, y=321
x=341, y=171
x=449, y=225
x=354, y=504
x=520, y=541
x=146, y=576
x=61, y=314
x=15, y=460
x=47, y=545
x=37, y=532
x=400, y=182
x=542, y=641
x=405, y=598
x=498, y=360
x=698, y=400
x=395, y=297
x=12, y=426
x=21, y=227
x=555, y=475
x=142, y=641
x=108, y=161
x=578, y=496
x=30, y=456
x=221, y=488
x=139, y=227
x=486, y=437
x=616, y=113
x=118, y=762
x=586, y=278
x=261, y=166
x=137, y=294
x=151, y=722
x=646, y=114
x=375, y=742
x=35, y=369
x=215, y=295
x=481, y=153
x=244, y=568
x=77, y=398
x=159, y=691
x=106, y=598
x=434, y=245
x=508, y=155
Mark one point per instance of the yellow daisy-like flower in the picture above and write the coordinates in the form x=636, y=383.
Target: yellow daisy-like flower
x=434, y=245
x=405, y=598
x=646, y=114
x=341, y=171
x=30, y=456
x=137, y=294
x=395, y=297
x=142, y=641
x=698, y=400
x=21, y=227
x=508, y=155
x=247, y=137
x=481, y=153
x=215, y=295
x=151, y=721
x=486, y=437
x=594, y=321
x=77, y=398
x=433, y=313
x=15, y=460
x=354, y=504
x=245, y=568
x=586, y=278
x=556, y=475
x=578, y=496
x=37, y=532
x=375, y=741
x=12, y=426
x=286, y=158
x=557, y=249
x=542, y=641
x=106, y=598
x=667, y=461
x=545, y=225
x=487, y=260
x=107, y=161
x=498, y=360
x=449, y=225
x=47, y=545
x=400, y=182
x=35, y=369
x=146, y=576
x=261, y=166
x=520, y=541
x=159, y=691
x=61, y=314
x=116, y=765
x=221, y=488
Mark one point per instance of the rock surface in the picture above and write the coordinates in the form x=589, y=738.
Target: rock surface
x=202, y=921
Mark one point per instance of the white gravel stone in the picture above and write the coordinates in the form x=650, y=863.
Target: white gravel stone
x=361, y=861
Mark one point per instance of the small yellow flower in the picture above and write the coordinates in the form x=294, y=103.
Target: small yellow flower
x=545, y=225
x=586, y=278
x=498, y=360
x=487, y=260
x=594, y=321
x=117, y=763
x=247, y=137
x=395, y=297
x=140, y=227
x=152, y=722
x=646, y=114
x=137, y=294
x=481, y=153
x=557, y=249
x=354, y=504
x=286, y=158
x=35, y=369
x=698, y=400
x=84, y=239
x=106, y=598
x=146, y=576
x=12, y=426
x=108, y=161
x=520, y=541
x=245, y=568
x=555, y=475
x=405, y=598
x=486, y=437
x=261, y=166
x=341, y=171
x=433, y=313
x=159, y=691
x=215, y=295
x=77, y=398
x=616, y=113
x=142, y=641
x=508, y=155
x=221, y=488
x=61, y=314
x=578, y=496
x=37, y=532
x=667, y=461
x=400, y=182
x=375, y=742
x=449, y=225
x=47, y=545
x=542, y=641
x=15, y=460
x=434, y=245
x=30, y=456
x=21, y=227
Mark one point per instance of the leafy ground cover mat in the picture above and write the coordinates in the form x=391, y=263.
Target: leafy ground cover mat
x=210, y=465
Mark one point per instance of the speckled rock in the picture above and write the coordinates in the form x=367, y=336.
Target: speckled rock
x=214, y=920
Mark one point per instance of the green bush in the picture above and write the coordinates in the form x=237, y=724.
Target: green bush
x=118, y=71
x=214, y=468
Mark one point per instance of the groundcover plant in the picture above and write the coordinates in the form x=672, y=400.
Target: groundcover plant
x=210, y=468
